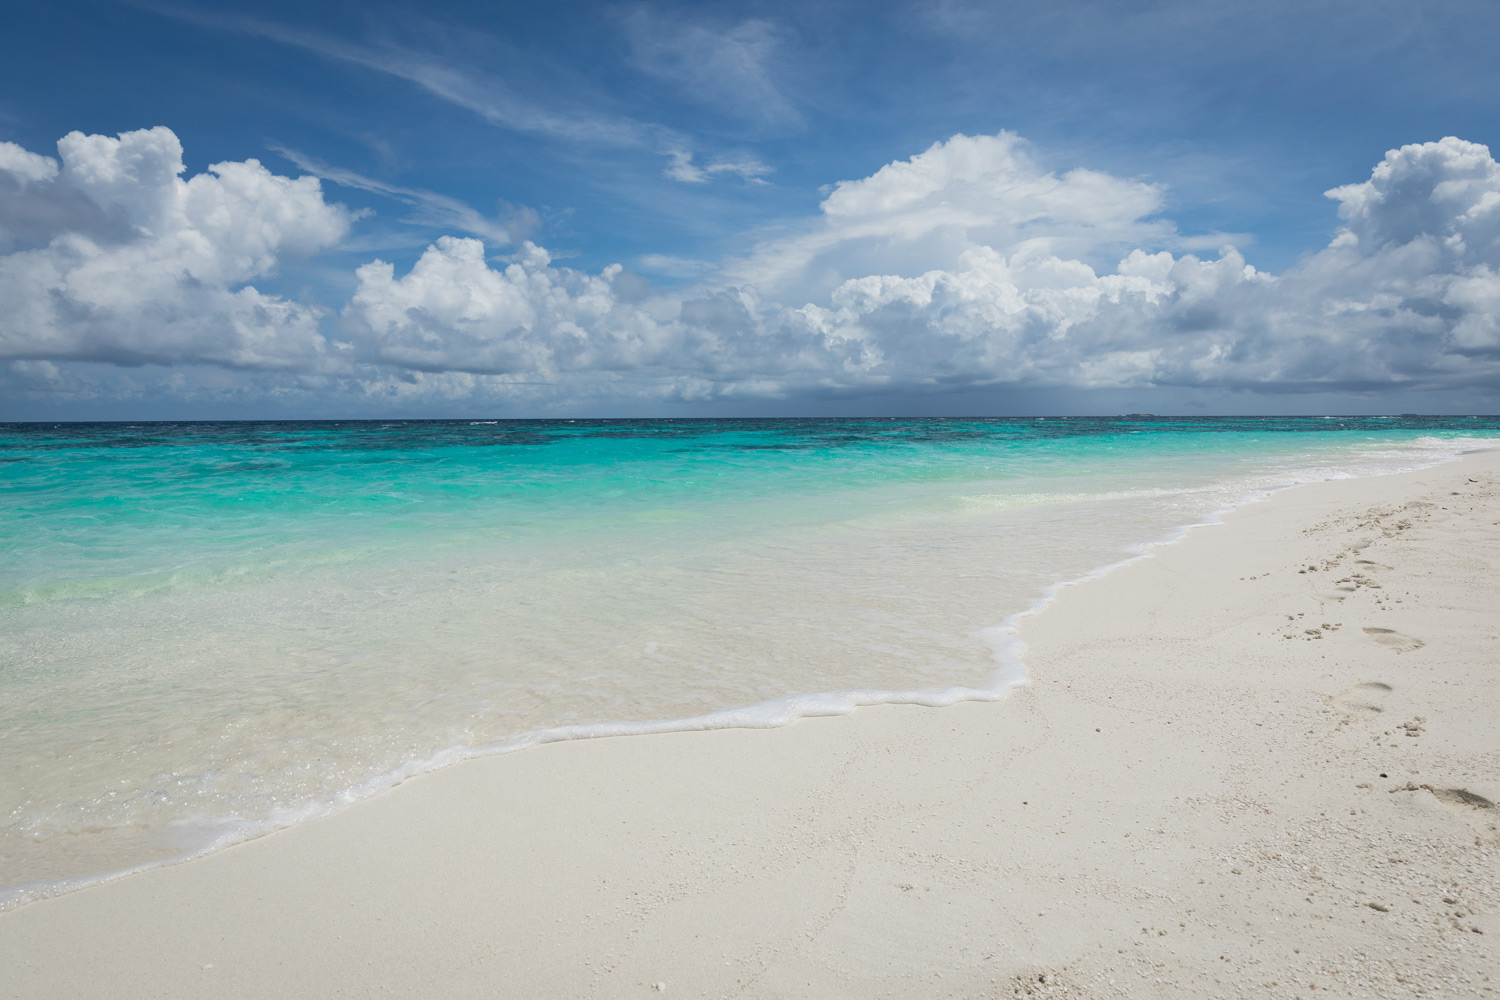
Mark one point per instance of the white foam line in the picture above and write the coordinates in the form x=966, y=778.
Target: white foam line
x=1003, y=639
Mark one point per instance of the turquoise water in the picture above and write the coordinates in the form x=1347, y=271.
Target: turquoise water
x=216, y=629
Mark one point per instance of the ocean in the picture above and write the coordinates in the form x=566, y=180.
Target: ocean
x=213, y=630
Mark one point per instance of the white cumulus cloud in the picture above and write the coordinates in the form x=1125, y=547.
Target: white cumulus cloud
x=969, y=265
x=453, y=311
x=130, y=263
x=1447, y=191
x=25, y=167
x=966, y=265
x=925, y=213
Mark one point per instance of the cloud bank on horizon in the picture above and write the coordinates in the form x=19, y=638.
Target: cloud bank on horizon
x=969, y=266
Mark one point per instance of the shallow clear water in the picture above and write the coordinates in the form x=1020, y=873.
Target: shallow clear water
x=213, y=629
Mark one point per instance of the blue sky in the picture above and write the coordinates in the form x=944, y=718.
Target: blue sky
x=748, y=208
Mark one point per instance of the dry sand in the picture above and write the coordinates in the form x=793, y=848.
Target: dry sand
x=1260, y=763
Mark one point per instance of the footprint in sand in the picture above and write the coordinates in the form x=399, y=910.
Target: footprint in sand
x=1450, y=796
x=1393, y=640
x=1366, y=699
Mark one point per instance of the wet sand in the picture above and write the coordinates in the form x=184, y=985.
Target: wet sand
x=1261, y=762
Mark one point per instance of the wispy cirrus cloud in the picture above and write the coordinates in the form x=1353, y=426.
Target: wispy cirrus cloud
x=682, y=167
x=429, y=207
x=671, y=266
x=497, y=101
x=487, y=95
x=735, y=69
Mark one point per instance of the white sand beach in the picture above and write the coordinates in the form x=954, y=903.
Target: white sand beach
x=1262, y=762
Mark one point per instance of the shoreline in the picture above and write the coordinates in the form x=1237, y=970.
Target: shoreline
x=1002, y=639
x=442, y=881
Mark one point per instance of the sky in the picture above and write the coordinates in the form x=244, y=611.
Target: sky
x=365, y=210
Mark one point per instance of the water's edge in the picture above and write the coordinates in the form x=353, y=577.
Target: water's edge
x=1006, y=648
